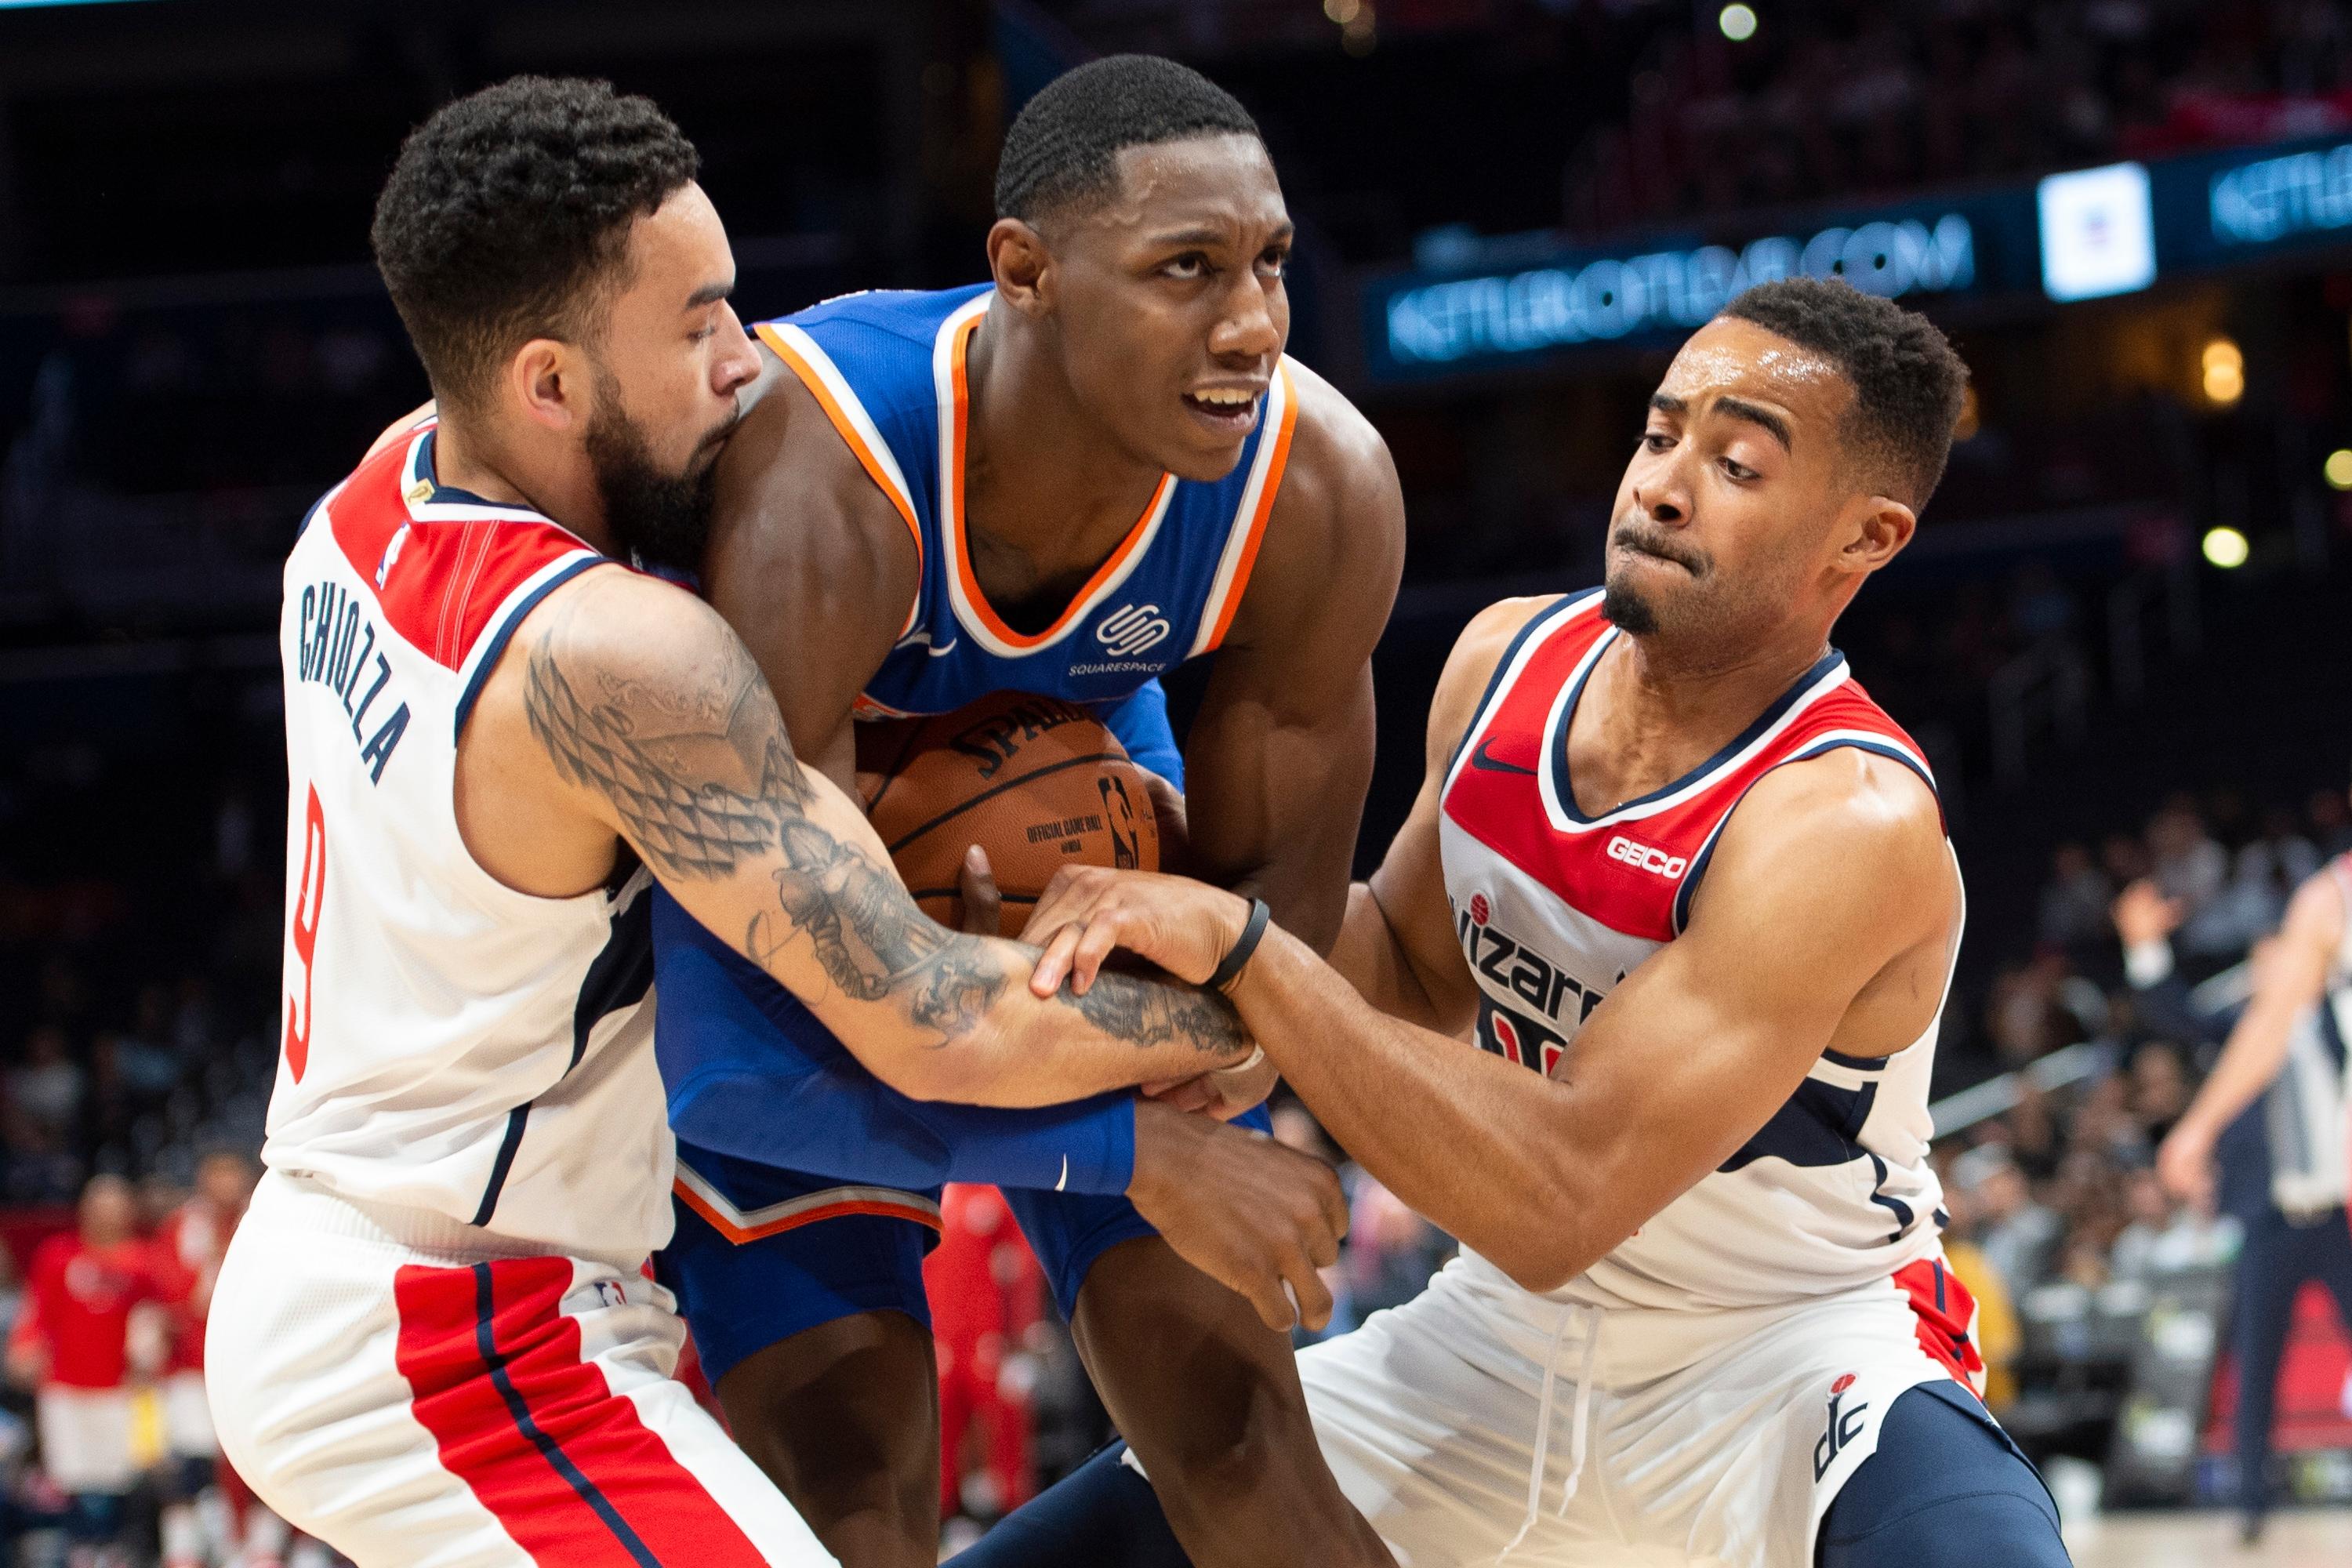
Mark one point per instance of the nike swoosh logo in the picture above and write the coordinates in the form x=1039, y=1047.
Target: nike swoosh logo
x=943, y=651
x=1065, y=1174
x=1479, y=759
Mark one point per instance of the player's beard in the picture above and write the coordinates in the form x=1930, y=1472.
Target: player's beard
x=1639, y=613
x=662, y=519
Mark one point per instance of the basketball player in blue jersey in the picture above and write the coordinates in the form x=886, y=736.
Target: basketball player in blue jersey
x=1065, y=480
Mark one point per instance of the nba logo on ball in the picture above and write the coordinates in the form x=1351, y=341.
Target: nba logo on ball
x=1131, y=629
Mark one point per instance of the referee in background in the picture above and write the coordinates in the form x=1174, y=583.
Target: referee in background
x=2265, y=1139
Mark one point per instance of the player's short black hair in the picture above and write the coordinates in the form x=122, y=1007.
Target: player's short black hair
x=1065, y=144
x=507, y=218
x=1908, y=384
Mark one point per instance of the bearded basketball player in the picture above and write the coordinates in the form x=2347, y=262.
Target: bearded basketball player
x=1067, y=479
x=1689, y=889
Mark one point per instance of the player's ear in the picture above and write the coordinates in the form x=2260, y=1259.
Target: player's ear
x=1018, y=260
x=546, y=380
x=1875, y=529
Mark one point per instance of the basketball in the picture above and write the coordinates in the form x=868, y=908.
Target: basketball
x=1037, y=783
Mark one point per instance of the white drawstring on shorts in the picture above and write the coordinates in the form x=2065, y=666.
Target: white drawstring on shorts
x=1580, y=1422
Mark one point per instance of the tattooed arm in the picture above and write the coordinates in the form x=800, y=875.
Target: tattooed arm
x=630, y=707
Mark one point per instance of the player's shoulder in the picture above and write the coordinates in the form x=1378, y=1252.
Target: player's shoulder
x=1857, y=809
x=2322, y=906
x=909, y=315
x=1492, y=635
x=1338, y=526
x=1338, y=472
x=1477, y=655
x=799, y=526
x=1331, y=433
x=628, y=624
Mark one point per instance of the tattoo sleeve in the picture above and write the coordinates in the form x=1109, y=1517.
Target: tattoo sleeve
x=705, y=782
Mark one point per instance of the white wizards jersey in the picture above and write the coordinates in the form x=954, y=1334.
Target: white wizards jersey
x=451, y=1045
x=1554, y=908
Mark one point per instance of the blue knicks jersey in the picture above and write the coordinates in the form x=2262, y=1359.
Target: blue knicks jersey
x=888, y=368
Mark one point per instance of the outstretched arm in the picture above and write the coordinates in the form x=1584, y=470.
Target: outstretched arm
x=646, y=714
x=1826, y=920
x=2290, y=975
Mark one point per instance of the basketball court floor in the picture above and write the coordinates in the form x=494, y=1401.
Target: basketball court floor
x=2298, y=1539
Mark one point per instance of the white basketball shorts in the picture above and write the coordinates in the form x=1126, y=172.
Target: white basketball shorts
x=1662, y=1439
x=393, y=1385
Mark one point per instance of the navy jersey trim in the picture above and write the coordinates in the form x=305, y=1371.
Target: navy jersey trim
x=1818, y=1126
x=495, y=647
x=620, y=976
x=1502, y=667
x=486, y=1345
x=1822, y=669
x=511, y=1141
x=1683, y=894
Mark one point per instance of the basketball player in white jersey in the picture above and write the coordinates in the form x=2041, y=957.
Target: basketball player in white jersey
x=432, y=1340
x=1691, y=889
x=2305, y=971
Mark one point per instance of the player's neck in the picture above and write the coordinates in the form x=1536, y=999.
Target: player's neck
x=1651, y=713
x=556, y=485
x=1041, y=475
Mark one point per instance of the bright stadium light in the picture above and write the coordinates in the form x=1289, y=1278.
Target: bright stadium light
x=2225, y=373
x=2339, y=469
x=1738, y=22
x=2225, y=548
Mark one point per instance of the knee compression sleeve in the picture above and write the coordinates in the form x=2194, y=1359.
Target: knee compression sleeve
x=1102, y=1515
x=1946, y=1488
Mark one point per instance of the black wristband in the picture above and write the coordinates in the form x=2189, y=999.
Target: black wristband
x=1237, y=958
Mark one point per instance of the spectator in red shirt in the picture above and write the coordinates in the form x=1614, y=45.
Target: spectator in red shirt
x=90, y=1298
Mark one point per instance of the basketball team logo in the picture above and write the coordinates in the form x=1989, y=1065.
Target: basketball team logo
x=1131, y=629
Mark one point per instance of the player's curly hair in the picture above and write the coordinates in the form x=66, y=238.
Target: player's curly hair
x=1908, y=384
x=1065, y=144
x=507, y=218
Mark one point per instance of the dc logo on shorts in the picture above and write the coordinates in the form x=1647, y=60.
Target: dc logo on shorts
x=1129, y=629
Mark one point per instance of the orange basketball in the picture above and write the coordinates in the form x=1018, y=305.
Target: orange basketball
x=1037, y=783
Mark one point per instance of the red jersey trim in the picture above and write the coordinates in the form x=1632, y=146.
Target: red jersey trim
x=441, y=562
x=1633, y=869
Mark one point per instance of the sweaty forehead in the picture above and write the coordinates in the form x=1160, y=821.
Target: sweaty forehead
x=1732, y=358
x=1222, y=181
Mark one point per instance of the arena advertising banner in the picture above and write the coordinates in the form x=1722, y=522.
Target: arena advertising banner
x=1419, y=324
x=2083, y=233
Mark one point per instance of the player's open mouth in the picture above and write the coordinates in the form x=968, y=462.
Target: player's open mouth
x=1228, y=410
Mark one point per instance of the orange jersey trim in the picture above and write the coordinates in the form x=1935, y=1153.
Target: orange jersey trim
x=1082, y=600
x=849, y=433
x=1281, y=459
x=739, y=1235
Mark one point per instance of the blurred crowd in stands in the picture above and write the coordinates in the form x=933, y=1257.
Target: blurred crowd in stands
x=2139, y=960
x=1847, y=100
